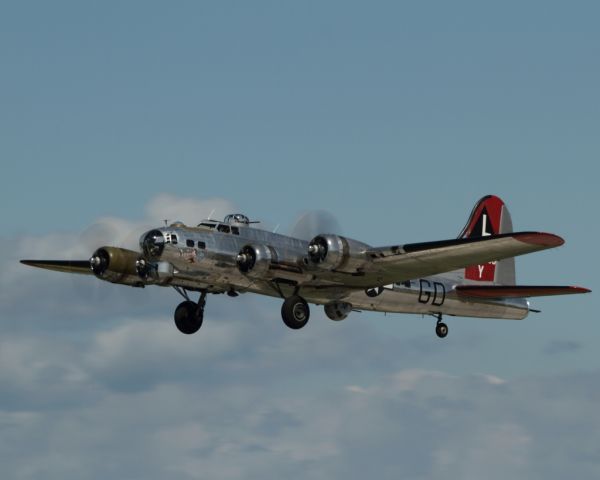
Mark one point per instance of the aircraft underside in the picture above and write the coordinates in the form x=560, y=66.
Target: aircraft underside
x=436, y=299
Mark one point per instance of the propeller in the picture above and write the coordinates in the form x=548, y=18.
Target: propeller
x=314, y=222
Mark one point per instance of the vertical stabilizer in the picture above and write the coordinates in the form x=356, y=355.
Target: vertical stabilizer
x=490, y=217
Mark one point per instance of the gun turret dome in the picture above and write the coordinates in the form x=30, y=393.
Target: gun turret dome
x=237, y=218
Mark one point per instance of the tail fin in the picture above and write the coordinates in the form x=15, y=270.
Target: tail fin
x=490, y=217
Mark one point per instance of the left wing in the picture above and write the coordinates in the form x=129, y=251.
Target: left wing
x=406, y=262
x=516, y=291
x=68, y=266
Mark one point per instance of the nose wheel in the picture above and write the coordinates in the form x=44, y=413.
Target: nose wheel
x=441, y=329
x=295, y=312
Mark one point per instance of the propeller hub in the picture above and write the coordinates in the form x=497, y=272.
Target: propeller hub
x=317, y=249
x=99, y=261
x=142, y=268
x=245, y=260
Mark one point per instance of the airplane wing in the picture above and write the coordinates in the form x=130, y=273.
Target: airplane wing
x=406, y=262
x=516, y=291
x=68, y=266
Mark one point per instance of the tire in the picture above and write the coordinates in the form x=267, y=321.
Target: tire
x=441, y=330
x=187, y=318
x=295, y=312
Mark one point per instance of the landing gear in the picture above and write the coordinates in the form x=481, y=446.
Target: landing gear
x=441, y=329
x=295, y=312
x=189, y=315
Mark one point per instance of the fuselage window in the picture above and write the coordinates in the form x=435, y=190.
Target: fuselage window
x=174, y=239
x=223, y=228
x=235, y=230
x=189, y=243
x=201, y=245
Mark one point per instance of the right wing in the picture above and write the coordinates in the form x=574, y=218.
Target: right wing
x=400, y=263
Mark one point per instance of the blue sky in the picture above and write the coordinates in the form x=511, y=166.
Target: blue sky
x=396, y=118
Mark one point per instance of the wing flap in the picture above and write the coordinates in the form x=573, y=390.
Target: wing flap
x=67, y=266
x=516, y=291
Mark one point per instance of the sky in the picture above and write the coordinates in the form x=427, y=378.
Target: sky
x=395, y=117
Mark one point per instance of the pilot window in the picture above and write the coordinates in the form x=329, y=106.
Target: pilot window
x=223, y=228
x=189, y=243
x=174, y=239
x=235, y=230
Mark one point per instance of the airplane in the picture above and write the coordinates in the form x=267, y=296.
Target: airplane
x=469, y=276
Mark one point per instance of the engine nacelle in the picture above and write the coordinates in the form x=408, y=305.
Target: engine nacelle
x=255, y=260
x=334, y=252
x=338, y=310
x=116, y=265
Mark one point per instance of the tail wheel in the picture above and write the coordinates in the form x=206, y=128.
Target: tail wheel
x=188, y=317
x=295, y=312
x=441, y=329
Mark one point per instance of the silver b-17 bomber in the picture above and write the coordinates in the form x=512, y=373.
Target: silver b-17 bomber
x=470, y=276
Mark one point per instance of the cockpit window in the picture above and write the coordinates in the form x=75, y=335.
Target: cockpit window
x=201, y=245
x=209, y=225
x=189, y=243
x=174, y=239
x=223, y=228
x=235, y=230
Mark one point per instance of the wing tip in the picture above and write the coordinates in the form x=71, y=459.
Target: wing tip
x=540, y=238
x=576, y=290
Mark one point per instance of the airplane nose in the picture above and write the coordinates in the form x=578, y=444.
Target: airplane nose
x=153, y=243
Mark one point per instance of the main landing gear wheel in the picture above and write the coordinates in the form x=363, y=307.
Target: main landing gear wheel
x=441, y=329
x=295, y=312
x=188, y=317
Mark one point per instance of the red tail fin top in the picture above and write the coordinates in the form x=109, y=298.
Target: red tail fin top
x=489, y=217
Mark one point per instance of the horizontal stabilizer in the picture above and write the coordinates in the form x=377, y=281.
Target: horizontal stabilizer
x=68, y=266
x=515, y=291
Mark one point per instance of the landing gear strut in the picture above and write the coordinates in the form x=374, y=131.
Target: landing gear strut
x=295, y=312
x=441, y=329
x=189, y=315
